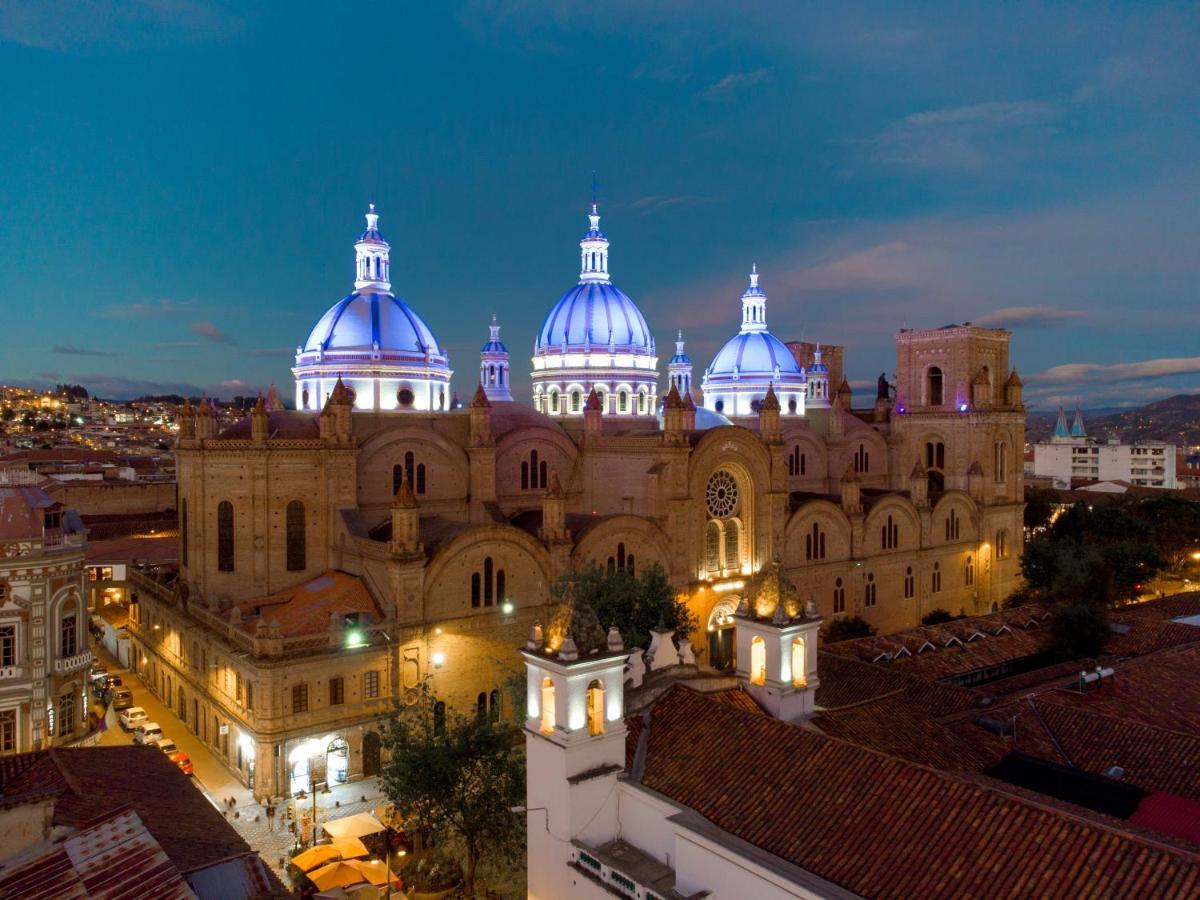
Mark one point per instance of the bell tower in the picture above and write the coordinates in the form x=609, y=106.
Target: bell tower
x=493, y=365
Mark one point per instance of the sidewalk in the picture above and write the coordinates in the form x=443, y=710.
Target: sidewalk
x=219, y=784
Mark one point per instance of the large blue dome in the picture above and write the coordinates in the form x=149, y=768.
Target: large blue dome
x=596, y=314
x=753, y=353
x=372, y=321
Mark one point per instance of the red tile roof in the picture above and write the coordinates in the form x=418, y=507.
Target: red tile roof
x=885, y=828
x=306, y=608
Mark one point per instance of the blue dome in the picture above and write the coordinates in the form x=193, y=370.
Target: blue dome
x=753, y=353
x=596, y=313
x=365, y=321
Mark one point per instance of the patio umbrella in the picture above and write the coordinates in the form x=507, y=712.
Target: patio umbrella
x=372, y=869
x=356, y=826
x=337, y=874
x=316, y=856
x=350, y=847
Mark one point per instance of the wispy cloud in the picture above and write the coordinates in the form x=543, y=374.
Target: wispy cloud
x=1073, y=373
x=54, y=25
x=71, y=350
x=154, y=309
x=733, y=83
x=655, y=202
x=1029, y=316
x=211, y=332
x=969, y=136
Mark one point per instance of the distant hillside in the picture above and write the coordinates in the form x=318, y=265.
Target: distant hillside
x=1175, y=420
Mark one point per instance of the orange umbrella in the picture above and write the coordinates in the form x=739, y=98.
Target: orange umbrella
x=350, y=847
x=315, y=856
x=338, y=874
x=372, y=869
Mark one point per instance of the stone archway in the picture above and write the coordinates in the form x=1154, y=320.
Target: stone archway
x=721, y=631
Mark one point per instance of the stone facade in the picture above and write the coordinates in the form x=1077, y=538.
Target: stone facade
x=458, y=523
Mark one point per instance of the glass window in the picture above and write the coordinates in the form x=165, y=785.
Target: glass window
x=299, y=698
x=337, y=691
x=371, y=684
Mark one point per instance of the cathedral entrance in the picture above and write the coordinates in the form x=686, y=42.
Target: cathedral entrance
x=720, y=635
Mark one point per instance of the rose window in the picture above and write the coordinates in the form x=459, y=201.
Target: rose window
x=721, y=495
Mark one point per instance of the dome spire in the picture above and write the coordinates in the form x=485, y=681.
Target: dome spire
x=594, y=247
x=493, y=365
x=372, y=267
x=754, y=304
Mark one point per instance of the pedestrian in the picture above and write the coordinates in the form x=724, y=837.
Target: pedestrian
x=270, y=815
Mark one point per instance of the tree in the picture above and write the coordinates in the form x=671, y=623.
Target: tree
x=636, y=604
x=456, y=778
x=938, y=616
x=1039, y=506
x=1174, y=526
x=847, y=629
x=1077, y=630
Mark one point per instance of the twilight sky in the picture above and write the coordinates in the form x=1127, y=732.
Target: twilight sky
x=181, y=181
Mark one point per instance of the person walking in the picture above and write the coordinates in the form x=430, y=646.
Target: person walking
x=270, y=814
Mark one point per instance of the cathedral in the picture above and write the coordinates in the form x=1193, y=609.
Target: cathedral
x=378, y=517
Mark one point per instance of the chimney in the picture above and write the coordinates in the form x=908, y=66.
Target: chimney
x=768, y=418
x=673, y=417
x=481, y=419
x=406, y=521
x=593, y=410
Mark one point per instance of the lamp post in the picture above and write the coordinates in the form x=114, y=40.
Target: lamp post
x=316, y=774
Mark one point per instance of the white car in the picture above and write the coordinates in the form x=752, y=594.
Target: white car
x=132, y=716
x=167, y=746
x=148, y=733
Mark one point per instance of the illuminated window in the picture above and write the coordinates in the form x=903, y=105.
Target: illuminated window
x=758, y=660
x=547, y=706
x=1002, y=544
x=595, y=707
x=799, y=673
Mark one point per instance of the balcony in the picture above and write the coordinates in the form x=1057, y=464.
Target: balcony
x=72, y=663
x=11, y=673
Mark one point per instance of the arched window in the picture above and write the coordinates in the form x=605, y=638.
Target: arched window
x=68, y=635
x=595, y=707
x=476, y=589
x=1002, y=544
x=889, y=534
x=952, y=526
x=629, y=564
x=814, y=543
x=621, y=555
x=733, y=543
x=909, y=584
x=862, y=459
x=936, y=580
x=183, y=531
x=799, y=672
x=758, y=660
x=575, y=401
x=494, y=709
x=1000, y=462
x=933, y=386
x=969, y=571
x=712, y=546
x=525, y=475
x=839, y=597
x=481, y=705
x=869, y=594
x=420, y=486
x=488, y=582
x=641, y=403
x=224, y=536
x=547, y=706
x=622, y=402
x=296, y=537
x=554, y=401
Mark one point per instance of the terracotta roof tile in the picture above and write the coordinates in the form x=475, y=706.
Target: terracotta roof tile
x=306, y=608
x=885, y=828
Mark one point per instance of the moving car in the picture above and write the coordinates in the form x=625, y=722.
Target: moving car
x=132, y=716
x=122, y=699
x=167, y=746
x=147, y=733
x=181, y=759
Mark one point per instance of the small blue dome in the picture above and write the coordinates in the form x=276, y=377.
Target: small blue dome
x=494, y=347
x=753, y=353
x=681, y=359
x=705, y=418
x=366, y=321
x=596, y=313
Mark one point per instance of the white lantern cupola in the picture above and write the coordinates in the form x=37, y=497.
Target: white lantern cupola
x=818, y=382
x=593, y=250
x=372, y=267
x=754, y=305
x=679, y=368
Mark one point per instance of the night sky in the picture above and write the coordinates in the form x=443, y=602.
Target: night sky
x=182, y=181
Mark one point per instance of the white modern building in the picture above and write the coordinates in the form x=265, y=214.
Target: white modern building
x=1070, y=457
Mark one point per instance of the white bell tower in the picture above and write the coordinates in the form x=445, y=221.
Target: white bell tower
x=493, y=365
x=575, y=744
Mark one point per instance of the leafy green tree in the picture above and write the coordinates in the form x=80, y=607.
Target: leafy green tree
x=1173, y=524
x=1039, y=506
x=938, y=616
x=1077, y=630
x=456, y=778
x=847, y=629
x=636, y=604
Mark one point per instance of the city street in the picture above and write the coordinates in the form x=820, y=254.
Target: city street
x=273, y=844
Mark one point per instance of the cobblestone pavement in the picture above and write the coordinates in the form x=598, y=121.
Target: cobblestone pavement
x=219, y=785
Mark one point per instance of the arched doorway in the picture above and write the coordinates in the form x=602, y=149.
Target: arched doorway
x=370, y=753
x=720, y=635
x=337, y=761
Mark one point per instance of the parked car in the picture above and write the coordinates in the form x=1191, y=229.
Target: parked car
x=132, y=716
x=147, y=732
x=122, y=698
x=167, y=746
x=98, y=673
x=182, y=760
x=114, y=681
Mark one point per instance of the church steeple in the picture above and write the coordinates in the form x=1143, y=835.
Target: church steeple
x=493, y=365
x=594, y=247
x=679, y=369
x=754, y=305
x=372, y=268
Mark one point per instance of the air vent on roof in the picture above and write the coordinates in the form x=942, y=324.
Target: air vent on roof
x=1114, y=772
x=997, y=727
